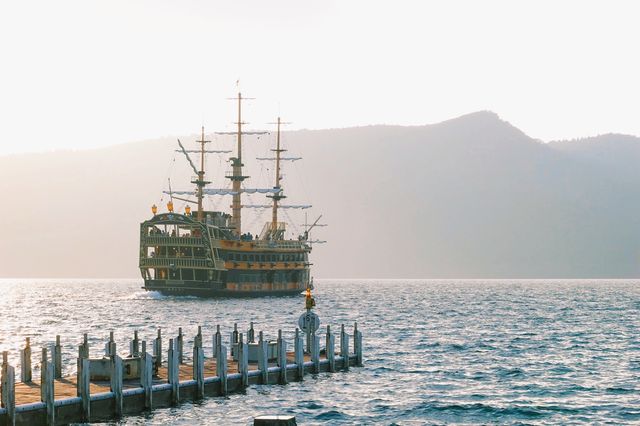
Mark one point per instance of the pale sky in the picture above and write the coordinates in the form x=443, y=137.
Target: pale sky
x=83, y=74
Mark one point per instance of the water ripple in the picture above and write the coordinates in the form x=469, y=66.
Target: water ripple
x=436, y=351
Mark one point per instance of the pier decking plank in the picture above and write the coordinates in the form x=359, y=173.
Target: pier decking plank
x=66, y=387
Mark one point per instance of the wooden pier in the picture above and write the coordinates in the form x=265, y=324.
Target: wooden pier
x=113, y=386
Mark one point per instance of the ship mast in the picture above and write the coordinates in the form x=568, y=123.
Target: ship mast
x=200, y=182
x=236, y=177
x=278, y=195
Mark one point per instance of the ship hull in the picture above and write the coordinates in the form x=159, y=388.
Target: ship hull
x=216, y=290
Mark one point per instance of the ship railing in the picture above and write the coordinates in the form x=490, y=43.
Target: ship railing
x=179, y=262
x=166, y=240
x=293, y=245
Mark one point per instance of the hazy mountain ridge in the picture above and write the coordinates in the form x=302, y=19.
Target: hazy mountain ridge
x=469, y=197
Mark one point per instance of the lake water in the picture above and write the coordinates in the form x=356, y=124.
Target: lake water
x=436, y=351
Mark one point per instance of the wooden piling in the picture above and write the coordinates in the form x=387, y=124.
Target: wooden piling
x=243, y=361
x=84, y=387
x=83, y=353
x=107, y=346
x=251, y=334
x=357, y=344
x=197, y=344
x=173, y=371
x=49, y=394
x=299, y=351
x=331, y=350
x=234, y=335
x=263, y=362
x=25, y=362
x=157, y=349
x=113, y=351
x=217, y=337
x=134, y=345
x=57, y=359
x=44, y=365
x=198, y=365
x=282, y=359
x=8, y=390
x=146, y=377
x=116, y=383
x=179, y=342
x=199, y=362
x=221, y=366
x=315, y=352
x=344, y=348
x=326, y=341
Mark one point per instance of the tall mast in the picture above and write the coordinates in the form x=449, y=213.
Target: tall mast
x=236, y=176
x=278, y=195
x=200, y=182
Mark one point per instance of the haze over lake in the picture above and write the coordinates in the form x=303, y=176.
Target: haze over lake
x=470, y=197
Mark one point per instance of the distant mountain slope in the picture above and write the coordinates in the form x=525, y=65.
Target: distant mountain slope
x=469, y=197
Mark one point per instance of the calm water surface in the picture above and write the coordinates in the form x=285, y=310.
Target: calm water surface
x=436, y=352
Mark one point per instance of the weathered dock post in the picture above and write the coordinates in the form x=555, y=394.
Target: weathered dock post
x=84, y=384
x=197, y=342
x=43, y=375
x=198, y=336
x=173, y=371
x=330, y=350
x=299, y=350
x=8, y=389
x=357, y=344
x=251, y=334
x=57, y=359
x=234, y=335
x=25, y=362
x=243, y=361
x=48, y=388
x=221, y=364
x=198, y=364
x=157, y=349
x=217, y=337
x=263, y=361
x=134, y=345
x=83, y=353
x=315, y=352
x=282, y=358
x=146, y=376
x=107, y=346
x=116, y=379
x=344, y=348
x=179, y=342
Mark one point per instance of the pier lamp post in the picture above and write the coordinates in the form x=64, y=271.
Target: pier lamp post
x=309, y=322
